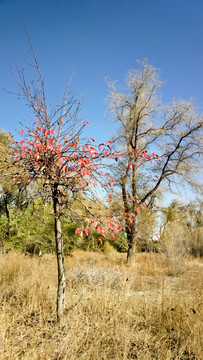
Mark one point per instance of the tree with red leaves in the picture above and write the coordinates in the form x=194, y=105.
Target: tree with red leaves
x=53, y=153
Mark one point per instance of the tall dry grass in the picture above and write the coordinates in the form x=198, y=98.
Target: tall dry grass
x=152, y=310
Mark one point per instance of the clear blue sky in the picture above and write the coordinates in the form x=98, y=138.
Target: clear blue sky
x=95, y=39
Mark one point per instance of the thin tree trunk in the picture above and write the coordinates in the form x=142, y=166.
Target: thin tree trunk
x=131, y=250
x=131, y=231
x=130, y=227
x=7, y=215
x=60, y=304
x=131, y=235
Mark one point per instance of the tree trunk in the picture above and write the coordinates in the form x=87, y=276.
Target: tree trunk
x=60, y=304
x=131, y=232
x=131, y=249
x=7, y=215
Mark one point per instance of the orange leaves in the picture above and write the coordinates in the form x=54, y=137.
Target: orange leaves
x=102, y=227
x=86, y=231
x=85, y=122
x=38, y=107
x=60, y=122
x=100, y=146
x=21, y=131
x=110, y=183
x=124, y=213
x=84, y=171
x=99, y=229
x=144, y=154
x=64, y=159
x=82, y=232
x=23, y=149
x=118, y=229
x=100, y=241
x=77, y=231
x=92, y=151
x=132, y=166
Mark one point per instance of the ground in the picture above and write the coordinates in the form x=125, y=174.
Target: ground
x=149, y=310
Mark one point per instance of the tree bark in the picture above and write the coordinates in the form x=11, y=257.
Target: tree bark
x=131, y=231
x=131, y=250
x=7, y=215
x=60, y=303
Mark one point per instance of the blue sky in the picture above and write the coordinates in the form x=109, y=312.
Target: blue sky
x=93, y=39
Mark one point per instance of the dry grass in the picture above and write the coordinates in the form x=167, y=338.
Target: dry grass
x=155, y=314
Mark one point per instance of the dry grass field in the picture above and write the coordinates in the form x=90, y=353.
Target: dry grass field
x=151, y=310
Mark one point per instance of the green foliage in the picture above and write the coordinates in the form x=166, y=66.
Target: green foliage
x=107, y=248
x=3, y=229
x=32, y=229
x=120, y=243
x=69, y=238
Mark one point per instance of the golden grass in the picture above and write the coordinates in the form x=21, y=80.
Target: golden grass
x=151, y=310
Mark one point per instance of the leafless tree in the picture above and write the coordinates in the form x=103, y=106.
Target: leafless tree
x=163, y=142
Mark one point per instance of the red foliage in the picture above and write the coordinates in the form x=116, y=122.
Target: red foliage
x=40, y=155
x=64, y=161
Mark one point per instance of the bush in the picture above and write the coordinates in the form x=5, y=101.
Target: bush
x=120, y=243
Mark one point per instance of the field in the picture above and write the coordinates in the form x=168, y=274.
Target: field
x=150, y=310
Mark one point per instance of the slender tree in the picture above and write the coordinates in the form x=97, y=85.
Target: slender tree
x=53, y=153
x=162, y=143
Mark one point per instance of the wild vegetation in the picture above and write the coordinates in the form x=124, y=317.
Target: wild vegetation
x=150, y=310
x=90, y=204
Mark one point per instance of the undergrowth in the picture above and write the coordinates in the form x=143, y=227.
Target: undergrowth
x=150, y=310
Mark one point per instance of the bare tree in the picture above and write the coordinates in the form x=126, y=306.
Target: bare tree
x=162, y=143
